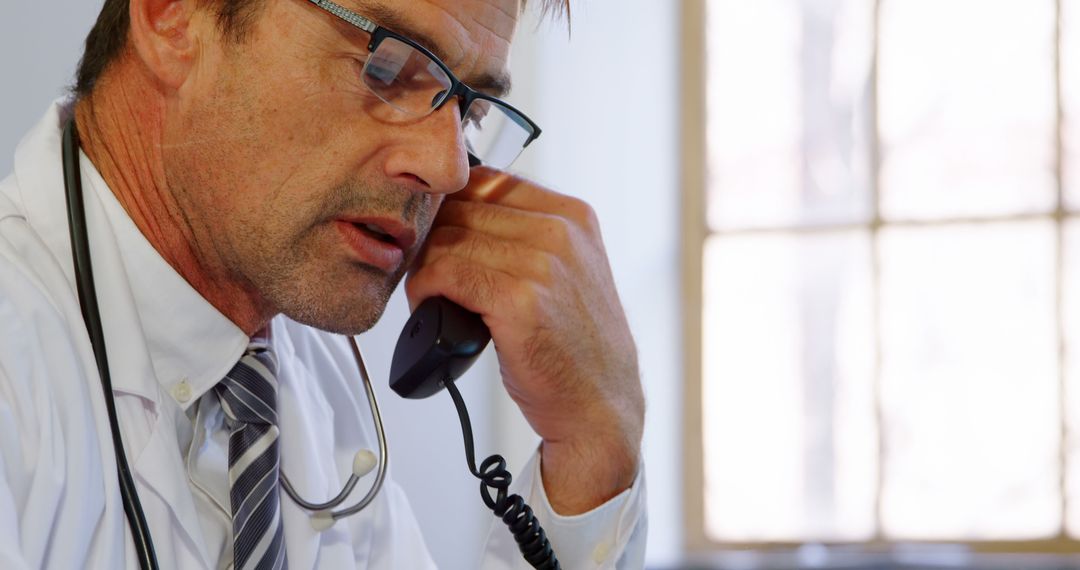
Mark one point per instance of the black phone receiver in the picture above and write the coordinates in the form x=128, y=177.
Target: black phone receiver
x=440, y=341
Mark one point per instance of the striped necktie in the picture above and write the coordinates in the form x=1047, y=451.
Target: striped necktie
x=248, y=397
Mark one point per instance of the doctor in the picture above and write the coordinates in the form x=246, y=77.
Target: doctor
x=258, y=176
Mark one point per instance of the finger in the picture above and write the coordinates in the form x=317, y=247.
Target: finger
x=497, y=187
x=506, y=255
x=540, y=230
x=480, y=289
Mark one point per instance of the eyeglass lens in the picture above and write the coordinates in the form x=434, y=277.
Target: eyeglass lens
x=414, y=84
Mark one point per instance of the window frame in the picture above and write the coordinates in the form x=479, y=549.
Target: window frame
x=696, y=231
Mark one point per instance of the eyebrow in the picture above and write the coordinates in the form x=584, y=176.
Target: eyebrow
x=496, y=85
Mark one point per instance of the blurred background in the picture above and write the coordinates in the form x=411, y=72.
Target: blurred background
x=847, y=235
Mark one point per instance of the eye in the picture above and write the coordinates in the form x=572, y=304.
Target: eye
x=438, y=98
x=476, y=113
x=381, y=70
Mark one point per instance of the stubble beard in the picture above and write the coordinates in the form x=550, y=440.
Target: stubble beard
x=308, y=278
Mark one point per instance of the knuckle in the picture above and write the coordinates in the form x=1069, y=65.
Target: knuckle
x=544, y=266
x=580, y=211
x=504, y=248
x=558, y=231
x=525, y=297
x=591, y=221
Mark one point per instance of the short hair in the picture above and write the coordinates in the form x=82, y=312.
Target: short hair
x=108, y=37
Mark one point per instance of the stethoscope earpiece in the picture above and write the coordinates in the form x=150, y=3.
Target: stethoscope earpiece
x=322, y=520
x=363, y=462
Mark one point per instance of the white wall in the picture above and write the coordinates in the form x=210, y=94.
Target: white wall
x=40, y=43
x=607, y=101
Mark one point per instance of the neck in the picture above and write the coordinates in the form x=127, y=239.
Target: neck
x=121, y=127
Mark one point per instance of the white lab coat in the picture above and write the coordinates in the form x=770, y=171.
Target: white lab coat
x=60, y=504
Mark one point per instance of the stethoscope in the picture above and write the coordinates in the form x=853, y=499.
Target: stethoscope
x=323, y=516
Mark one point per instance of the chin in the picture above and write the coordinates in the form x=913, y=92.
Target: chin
x=345, y=302
x=347, y=321
x=347, y=313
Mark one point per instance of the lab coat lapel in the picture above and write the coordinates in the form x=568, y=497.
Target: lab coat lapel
x=160, y=468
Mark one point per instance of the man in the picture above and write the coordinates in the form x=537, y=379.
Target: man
x=259, y=174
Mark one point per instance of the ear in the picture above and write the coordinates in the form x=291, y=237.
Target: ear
x=162, y=36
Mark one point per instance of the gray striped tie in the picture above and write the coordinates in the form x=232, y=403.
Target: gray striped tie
x=248, y=396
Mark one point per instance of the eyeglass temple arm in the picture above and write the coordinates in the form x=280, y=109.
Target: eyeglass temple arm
x=347, y=15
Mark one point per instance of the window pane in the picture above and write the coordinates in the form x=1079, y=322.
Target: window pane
x=970, y=383
x=967, y=112
x=790, y=442
x=1071, y=314
x=1070, y=99
x=788, y=95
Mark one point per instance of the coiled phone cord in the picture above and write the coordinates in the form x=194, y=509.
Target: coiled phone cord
x=493, y=476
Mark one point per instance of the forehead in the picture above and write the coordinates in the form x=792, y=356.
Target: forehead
x=470, y=36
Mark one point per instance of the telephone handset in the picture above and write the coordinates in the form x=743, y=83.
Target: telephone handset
x=439, y=342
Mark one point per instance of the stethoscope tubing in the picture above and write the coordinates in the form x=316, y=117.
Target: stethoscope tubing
x=84, y=282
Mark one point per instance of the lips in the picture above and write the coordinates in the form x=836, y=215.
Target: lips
x=377, y=241
x=385, y=229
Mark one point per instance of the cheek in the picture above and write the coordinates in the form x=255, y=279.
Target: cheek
x=270, y=137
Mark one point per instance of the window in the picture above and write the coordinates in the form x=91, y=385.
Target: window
x=889, y=274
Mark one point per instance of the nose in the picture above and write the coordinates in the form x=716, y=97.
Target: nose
x=433, y=154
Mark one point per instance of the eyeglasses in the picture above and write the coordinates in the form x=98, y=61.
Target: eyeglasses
x=409, y=78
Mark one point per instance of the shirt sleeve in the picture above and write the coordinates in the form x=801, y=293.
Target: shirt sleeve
x=611, y=536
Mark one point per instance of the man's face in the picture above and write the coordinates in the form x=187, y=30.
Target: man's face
x=287, y=168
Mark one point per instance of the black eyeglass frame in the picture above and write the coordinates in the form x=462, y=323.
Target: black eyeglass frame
x=465, y=94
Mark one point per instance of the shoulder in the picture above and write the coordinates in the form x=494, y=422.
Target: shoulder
x=8, y=207
x=41, y=369
x=37, y=345
x=31, y=280
x=47, y=415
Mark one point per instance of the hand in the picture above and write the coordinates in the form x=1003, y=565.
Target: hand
x=532, y=263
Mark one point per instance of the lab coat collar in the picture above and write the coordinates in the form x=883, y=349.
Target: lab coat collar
x=156, y=318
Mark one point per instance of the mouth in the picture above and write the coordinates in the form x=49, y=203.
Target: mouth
x=376, y=232
x=385, y=230
x=383, y=243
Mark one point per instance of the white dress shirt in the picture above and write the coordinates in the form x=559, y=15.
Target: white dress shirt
x=60, y=505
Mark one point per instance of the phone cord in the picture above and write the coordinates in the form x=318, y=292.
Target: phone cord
x=493, y=475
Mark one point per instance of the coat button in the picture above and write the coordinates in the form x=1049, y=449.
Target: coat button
x=600, y=553
x=182, y=391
